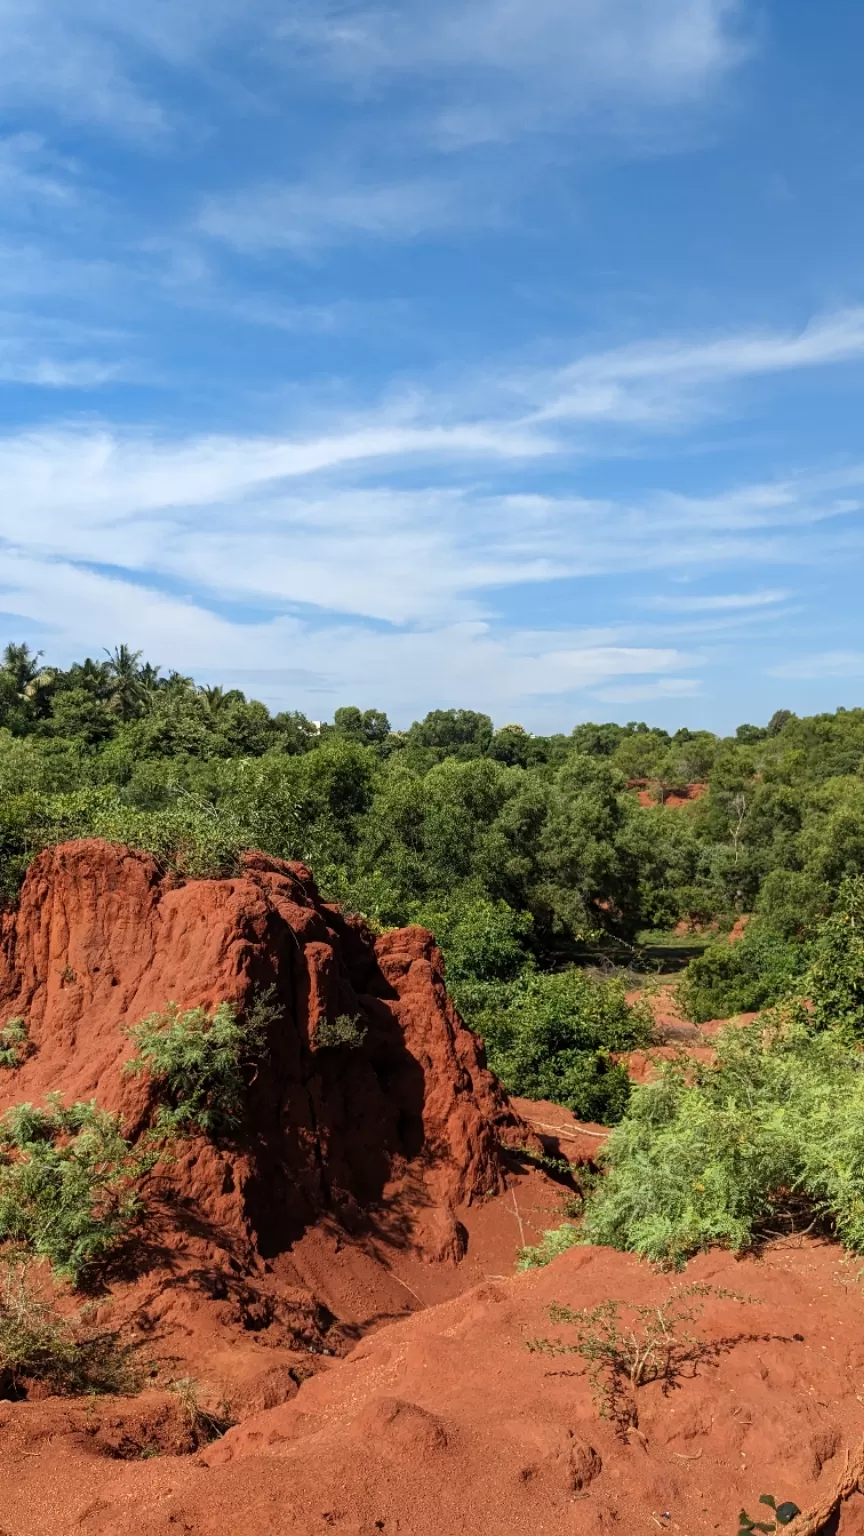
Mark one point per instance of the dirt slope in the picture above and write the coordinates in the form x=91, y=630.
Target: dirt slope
x=446, y=1423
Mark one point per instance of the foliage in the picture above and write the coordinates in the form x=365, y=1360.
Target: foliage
x=552, y=1036
x=67, y=1183
x=524, y=853
x=553, y=1243
x=654, y=1344
x=770, y=1135
x=199, y=1062
x=749, y=973
x=15, y=1043
x=346, y=1031
x=785, y=1515
x=39, y=1344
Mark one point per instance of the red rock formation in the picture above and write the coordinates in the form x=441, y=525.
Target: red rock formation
x=407, y=1124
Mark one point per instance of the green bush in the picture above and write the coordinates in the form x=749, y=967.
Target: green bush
x=753, y=972
x=15, y=1044
x=199, y=1063
x=67, y=1183
x=554, y=1242
x=770, y=1134
x=551, y=1036
x=38, y=1344
x=834, y=983
x=346, y=1031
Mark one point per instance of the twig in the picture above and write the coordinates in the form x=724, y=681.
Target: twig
x=562, y=1131
x=518, y=1218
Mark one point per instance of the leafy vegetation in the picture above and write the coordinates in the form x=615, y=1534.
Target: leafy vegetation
x=554, y=1242
x=527, y=855
x=654, y=1344
x=63, y=1353
x=199, y=1062
x=552, y=1036
x=785, y=1513
x=68, y=1182
x=346, y=1031
x=15, y=1044
x=769, y=1137
x=742, y=977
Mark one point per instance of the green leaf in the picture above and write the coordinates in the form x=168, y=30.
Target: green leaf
x=768, y=1498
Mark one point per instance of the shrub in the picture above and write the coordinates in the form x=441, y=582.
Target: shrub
x=37, y=1344
x=554, y=1242
x=654, y=1344
x=15, y=1044
x=834, y=983
x=67, y=1183
x=751, y=973
x=199, y=1063
x=346, y=1030
x=770, y=1134
x=551, y=1036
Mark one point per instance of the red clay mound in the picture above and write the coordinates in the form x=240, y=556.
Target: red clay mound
x=446, y=1423
x=350, y=1162
x=101, y=938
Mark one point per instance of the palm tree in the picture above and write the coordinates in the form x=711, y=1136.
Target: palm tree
x=22, y=665
x=126, y=690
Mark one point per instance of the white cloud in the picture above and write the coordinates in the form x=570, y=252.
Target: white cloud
x=719, y=602
x=638, y=693
x=278, y=522
x=657, y=382
x=317, y=667
x=306, y=217
x=822, y=664
x=503, y=66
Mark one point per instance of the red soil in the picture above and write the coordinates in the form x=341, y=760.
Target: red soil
x=447, y=1423
x=371, y=1210
x=648, y=793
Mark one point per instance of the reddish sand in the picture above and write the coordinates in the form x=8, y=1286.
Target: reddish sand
x=447, y=1423
x=372, y=1209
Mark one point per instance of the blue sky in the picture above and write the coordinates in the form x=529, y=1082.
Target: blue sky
x=500, y=353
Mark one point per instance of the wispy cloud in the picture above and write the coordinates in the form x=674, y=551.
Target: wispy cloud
x=822, y=664
x=641, y=693
x=718, y=602
x=306, y=217
x=504, y=66
x=666, y=380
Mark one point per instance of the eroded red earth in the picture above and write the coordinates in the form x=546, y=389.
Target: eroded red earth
x=340, y=1282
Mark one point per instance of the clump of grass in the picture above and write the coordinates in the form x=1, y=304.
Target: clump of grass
x=38, y=1344
x=15, y=1043
x=204, y=1426
x=346, y=1031
x=200, y=1062
x=68, y=1180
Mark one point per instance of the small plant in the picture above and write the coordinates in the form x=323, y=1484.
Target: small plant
x=200, y=1062
x=67, y=1183
x=37, y=1344
x=655, y=1345
x=554, y=1242
x=15, y=1043
x=204, y=1426
x=346, y=1030
x=785, y=1515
